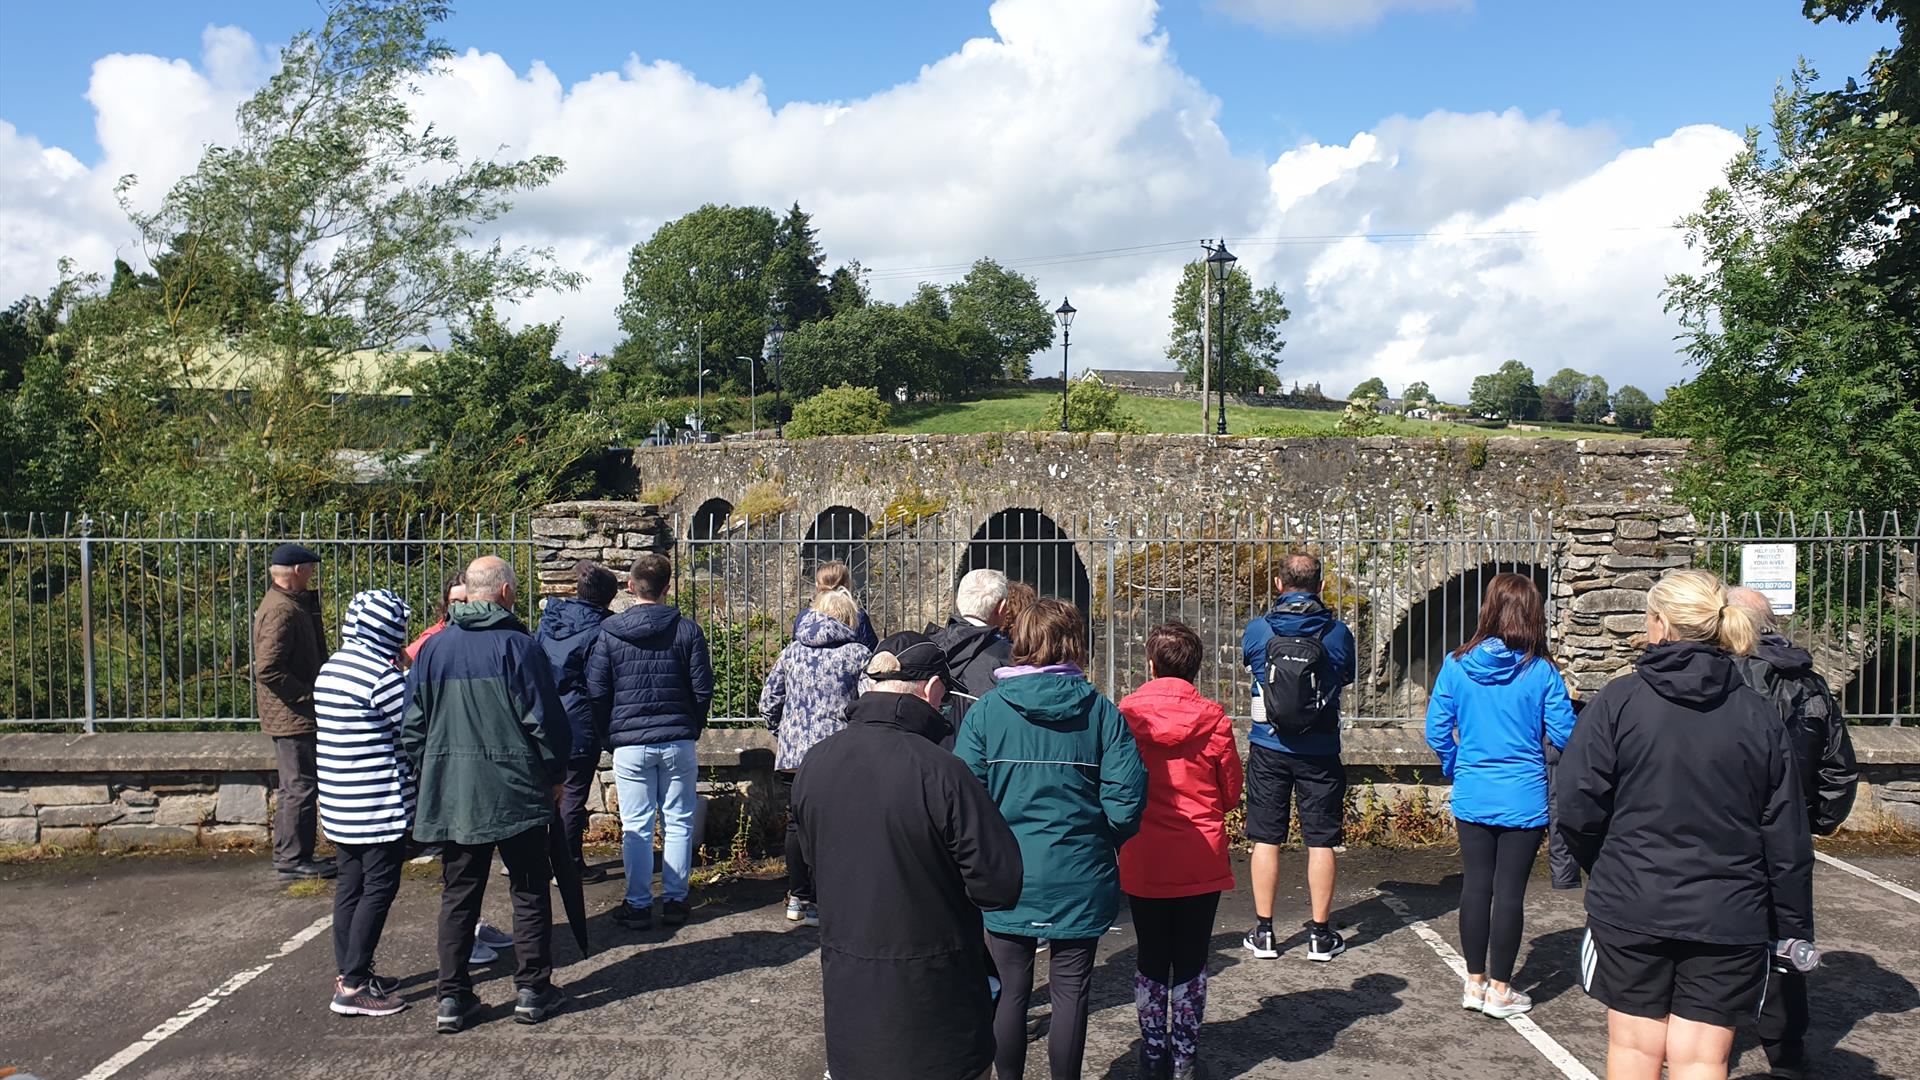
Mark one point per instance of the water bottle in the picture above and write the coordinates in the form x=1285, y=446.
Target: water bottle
x=1799, y=954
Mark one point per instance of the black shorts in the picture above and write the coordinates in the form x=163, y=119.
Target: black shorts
x=1655, y=977
x=1276, y=780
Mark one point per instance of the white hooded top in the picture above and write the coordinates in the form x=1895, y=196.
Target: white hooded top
x=366, y=790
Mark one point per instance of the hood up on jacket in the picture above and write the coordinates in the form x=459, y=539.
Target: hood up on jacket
x=642, y=624
x=1689, y=672
x=1045, y=696
x=818, y=630
x=1783, y=655
x=1171, y=713
x=570, y=617
x=1491, y=663
x=482, y=615
x=1299, y=614
x=377, y=620
x=904, y=711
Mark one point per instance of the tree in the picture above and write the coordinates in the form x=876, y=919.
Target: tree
x=696, y=294
x=1092, y=406
x=1416, y=394
x=1560, y=394
x=1254, y=320
x=840, y=410
x=1509, y=393
x=1592, y=403
x=795, y=276
x=1002, y=311
x=847, y=288
x=1375, y=387
x=1632, y=408
x=507, y=419
x=883, y=346
x=1803, y=323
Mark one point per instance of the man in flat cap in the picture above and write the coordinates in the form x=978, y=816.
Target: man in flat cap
x=904, y=848
x=289, y=645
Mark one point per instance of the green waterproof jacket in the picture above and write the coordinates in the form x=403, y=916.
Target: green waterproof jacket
x=1061, y=764
x=484, y=729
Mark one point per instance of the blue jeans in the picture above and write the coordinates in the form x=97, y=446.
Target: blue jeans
x=659, y=778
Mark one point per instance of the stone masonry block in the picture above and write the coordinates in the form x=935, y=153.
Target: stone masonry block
x=234, y=835
x=72, y=837
x=54, y=816
x=1631, y=529
x=15, y=804
x=1625, y=624
x=68, y=794
x=186, y=810
x=242, y=802
x=19, y=830
x=123, y=837
x=1610, y=600
x=137, y=797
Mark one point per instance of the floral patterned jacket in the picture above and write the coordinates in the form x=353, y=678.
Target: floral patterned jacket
x=806, y=695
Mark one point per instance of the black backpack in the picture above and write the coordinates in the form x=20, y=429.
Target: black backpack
x=1298, y=683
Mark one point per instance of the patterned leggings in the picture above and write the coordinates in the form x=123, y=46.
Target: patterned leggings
x=1170, y=987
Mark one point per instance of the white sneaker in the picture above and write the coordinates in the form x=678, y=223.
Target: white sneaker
x=796, y=908
x=1512, y=1003
x=1473, y=996
x=482, y=953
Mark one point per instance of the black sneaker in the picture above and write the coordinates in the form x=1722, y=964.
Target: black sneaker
x=1259, y=941
x=673, y=912
x=367, y=1000
x=306, y=871
x=536, y=1005
x=634, y=918
x=1324, y=943
x=593, y=875
x=456, y=1012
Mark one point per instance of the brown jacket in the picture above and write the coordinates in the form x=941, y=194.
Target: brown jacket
x=289, y=645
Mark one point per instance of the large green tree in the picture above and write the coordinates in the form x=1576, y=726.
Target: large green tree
x=1001, y=317
x=1592, y=402
x=1254, y=321
x=1560, y=393
x=1509, y=393
x=885, y=346
x=1803, y=323
x=1374, y=387
x=1632, y=408
x=796, y=279
x=697, y=294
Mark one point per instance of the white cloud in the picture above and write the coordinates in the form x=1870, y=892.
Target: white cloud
x=1324, y=15
x=1071, y=130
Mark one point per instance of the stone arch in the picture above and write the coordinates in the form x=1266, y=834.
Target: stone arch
x=709, y=520
x=1027, y=545
x=1438, y=623
x=838, y=532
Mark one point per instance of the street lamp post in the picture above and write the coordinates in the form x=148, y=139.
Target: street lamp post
x=700, y=402
x=1064, y=313
x=776, y=334
x=1220, y=266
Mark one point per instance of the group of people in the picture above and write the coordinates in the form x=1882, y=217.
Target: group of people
x=963, y=799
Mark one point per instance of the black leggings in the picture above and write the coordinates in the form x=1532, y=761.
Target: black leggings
x=1069, y=979
x=369, y=880
x=1493, y=895
x=1175, y=935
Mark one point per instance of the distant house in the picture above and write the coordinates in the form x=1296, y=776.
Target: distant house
x=1174, y=382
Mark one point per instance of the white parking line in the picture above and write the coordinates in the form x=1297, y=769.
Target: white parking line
x=1555, y=1054
x=1868, y=875
x=173, y=1024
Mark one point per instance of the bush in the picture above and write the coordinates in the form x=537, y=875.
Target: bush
x=842, y=410
x=1093, y=406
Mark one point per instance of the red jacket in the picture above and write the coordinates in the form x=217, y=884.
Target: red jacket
x=1194, y=777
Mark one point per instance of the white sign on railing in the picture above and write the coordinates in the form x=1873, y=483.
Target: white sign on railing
x=1769, y=570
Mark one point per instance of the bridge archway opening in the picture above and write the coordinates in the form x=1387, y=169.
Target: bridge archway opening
x=709, y=520
x=1440, y=622
x=838, y=533
x=1029, y=546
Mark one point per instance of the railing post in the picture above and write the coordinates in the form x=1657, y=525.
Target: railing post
x=86, y=614
x=1113, y=555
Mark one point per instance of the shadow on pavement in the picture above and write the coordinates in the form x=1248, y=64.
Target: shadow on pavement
x=1847, y=988
x=669, y=966
x=1553, y=961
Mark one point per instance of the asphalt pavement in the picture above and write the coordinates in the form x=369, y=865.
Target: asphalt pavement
x=196, y=966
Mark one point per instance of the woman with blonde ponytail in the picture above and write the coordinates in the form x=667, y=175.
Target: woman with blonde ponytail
x=1677, y=794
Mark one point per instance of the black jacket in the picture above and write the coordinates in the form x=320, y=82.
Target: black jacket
x=1677, y=794
x=567, y=632
x=650, y=677
x=904, y=848
x=973, y=654
x=1822, y=746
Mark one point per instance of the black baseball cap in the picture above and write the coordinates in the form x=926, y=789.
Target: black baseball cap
x=918, y=656
x=293, y=555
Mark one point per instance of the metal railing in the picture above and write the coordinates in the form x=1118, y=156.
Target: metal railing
x=147, y=621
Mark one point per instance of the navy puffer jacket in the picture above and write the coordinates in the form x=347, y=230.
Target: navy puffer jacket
x=649, y=677
x=568, y=629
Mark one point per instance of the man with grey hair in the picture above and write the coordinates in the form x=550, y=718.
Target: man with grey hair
x=1823, y=752
x=974, y=640
x=289, y=645
x=489, y=739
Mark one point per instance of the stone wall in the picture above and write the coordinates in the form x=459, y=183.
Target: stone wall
x=135, y=790
x=1606, y=559
x=610, y=533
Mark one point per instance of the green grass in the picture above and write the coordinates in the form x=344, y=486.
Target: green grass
x=1025, y=410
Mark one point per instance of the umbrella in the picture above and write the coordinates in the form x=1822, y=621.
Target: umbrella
x=566, y=876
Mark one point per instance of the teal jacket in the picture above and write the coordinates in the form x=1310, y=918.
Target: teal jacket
x=1061, y=764
x=484, y=730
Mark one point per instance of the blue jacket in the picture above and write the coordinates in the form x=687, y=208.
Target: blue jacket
x=1324, y=740
x=1486, y=718
x=567, y=632
x=649, y=677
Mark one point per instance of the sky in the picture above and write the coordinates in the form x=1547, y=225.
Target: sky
x=1436, y=185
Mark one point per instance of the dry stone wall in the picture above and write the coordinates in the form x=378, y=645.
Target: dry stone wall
x=1607, y=557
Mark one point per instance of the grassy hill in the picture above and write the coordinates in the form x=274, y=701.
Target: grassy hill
x=1024, y=410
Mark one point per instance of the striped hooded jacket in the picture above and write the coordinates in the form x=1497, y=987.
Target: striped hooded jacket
x=367, y=790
